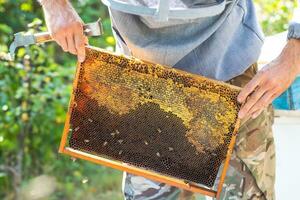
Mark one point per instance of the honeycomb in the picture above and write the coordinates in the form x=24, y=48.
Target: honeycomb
x=152, y=116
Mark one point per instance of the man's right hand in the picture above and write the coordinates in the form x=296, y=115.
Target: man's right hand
x=65, y=26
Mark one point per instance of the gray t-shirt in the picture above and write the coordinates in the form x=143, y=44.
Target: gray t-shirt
x=173, y=3
x=219, y=47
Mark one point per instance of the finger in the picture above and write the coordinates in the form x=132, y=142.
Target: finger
x=251, y=101
x=264, y=101
x=80, y=47
x=62, y=41
x=86, y=40
x=249, y=88
x=71, y=44
x=256, y=113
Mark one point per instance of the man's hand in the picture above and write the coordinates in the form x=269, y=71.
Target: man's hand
x=270, y=81
x=65, y=26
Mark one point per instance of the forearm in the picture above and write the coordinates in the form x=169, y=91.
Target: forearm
x=58, y=9
x=48, y=4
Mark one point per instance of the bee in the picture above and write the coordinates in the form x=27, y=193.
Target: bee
x=120, y=141
x=113, y=134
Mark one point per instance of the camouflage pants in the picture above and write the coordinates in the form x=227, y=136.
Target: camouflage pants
x=251, y=174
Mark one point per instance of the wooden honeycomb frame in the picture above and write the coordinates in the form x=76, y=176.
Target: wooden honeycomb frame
x=193, y=81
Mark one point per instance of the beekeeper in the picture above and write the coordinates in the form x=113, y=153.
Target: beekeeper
x=219, y=39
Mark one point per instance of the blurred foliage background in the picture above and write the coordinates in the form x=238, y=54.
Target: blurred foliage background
x=34, y=95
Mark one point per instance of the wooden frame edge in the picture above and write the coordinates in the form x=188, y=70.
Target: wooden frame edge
x=140, y=172
x=137, y=171
x=227, y=160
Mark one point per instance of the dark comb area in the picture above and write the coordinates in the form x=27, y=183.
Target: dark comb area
x=152, y=116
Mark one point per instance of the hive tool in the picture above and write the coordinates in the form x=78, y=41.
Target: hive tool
x=25, y=39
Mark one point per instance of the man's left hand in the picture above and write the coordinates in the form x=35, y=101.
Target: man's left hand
x=272, y=80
